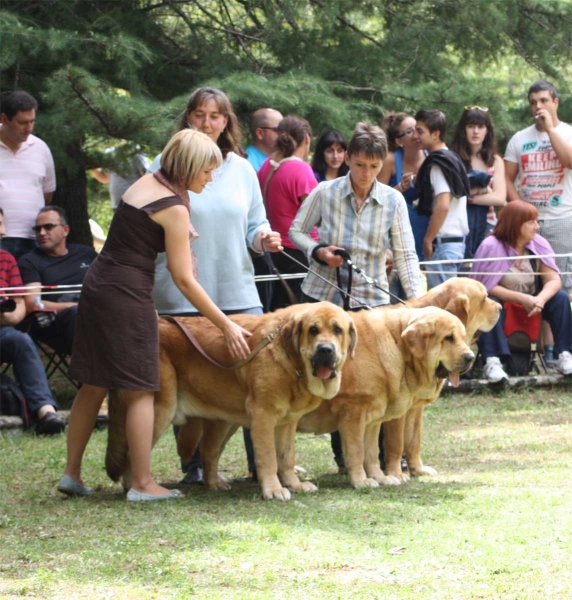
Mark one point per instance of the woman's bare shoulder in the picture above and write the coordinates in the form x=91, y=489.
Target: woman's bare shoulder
x=145, y=191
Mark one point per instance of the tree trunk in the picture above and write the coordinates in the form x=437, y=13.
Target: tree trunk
x=71, y=195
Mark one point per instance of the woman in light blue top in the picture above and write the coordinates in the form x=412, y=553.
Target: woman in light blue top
x=230, y=218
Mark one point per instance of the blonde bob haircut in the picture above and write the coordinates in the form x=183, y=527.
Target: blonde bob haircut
x=186, y=154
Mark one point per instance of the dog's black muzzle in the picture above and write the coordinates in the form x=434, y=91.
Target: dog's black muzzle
x=325, y=356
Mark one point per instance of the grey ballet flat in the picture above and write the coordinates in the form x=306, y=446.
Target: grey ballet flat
x=71, y=487
x=134, y=496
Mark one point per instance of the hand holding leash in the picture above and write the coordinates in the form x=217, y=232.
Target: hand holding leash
x=331, y=255
x=271, y=241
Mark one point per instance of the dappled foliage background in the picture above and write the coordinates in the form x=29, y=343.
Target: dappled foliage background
x=119, y=72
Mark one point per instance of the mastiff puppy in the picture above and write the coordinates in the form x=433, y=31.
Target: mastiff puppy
x=287, y=378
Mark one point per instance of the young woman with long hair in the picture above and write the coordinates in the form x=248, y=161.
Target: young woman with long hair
x=329, y=161
x=475, y=142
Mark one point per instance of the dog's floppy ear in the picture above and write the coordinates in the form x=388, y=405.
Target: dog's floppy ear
x=460, y=307
x=290, y=333
x=417, y=335
x=353, y=339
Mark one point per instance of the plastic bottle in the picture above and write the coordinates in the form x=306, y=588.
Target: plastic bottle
x=44, y=319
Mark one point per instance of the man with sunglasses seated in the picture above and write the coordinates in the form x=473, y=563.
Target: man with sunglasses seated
x=52, y=263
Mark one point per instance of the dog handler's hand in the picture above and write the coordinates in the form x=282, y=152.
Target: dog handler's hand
x=234, y=336
x=271, y=241
x=327, y=255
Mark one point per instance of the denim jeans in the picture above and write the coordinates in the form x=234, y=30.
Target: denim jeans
x=18, y=348
x=556, y=311
x=447, y=251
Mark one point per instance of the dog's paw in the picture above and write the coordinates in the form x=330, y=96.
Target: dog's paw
x=307, y=487
x=222, y=483
x=393, y=480
x=278, y=493
x=367, y=482
x=424, y=470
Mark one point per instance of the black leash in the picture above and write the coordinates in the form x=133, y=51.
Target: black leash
x=369, y=280
x=344, y=293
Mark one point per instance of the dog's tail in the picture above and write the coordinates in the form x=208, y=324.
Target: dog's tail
x=116, y=456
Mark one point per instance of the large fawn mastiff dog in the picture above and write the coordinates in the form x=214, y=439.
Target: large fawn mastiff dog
x=288, y=378
x=468, y=300
x=404, y=354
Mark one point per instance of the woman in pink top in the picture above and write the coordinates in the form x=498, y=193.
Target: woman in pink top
x=286, y=180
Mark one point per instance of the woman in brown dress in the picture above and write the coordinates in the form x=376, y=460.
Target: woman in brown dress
x=117, y=343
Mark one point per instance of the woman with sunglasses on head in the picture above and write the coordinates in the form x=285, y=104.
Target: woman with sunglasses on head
x=475, y=142
x=400, y=168
x=286, y=179
x=329, y=156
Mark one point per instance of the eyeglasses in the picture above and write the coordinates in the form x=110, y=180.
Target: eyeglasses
x=406, y=132
x=271, y=128
x=47, y=227
x=483, y=108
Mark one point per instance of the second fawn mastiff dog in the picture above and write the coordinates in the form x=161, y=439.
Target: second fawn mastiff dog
x=403, y=354
x=468, y=300
x=287, y=378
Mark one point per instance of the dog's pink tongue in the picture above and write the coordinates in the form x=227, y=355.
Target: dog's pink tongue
x=323, y=372
x=454, y=379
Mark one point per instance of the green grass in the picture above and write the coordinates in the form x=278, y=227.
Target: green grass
x=495, y=523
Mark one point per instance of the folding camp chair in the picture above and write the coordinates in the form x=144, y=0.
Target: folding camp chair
x=523, y=333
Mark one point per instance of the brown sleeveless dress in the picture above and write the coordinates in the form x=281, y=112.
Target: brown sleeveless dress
x=116, y=343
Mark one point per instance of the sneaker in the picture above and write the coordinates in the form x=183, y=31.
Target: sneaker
x=193, y=476
x=564, y=363
x=50, y=424
x=549, y=356
x=494, y=371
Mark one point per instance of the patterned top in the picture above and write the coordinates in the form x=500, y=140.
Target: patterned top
x=9, y=274
x=382, y=221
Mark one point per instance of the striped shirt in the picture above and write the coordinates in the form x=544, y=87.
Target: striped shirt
x=25, y=176
x=366, y=234
x=9, y=272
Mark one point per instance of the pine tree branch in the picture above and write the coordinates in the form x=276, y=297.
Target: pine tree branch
x=351, y=26
x=91, y=107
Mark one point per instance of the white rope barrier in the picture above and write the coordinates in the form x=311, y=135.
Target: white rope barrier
x=47, y=290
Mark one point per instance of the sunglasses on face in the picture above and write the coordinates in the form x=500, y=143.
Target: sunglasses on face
x=47, y=227
x=483, y=108
x=406, y=132
x=271, y=128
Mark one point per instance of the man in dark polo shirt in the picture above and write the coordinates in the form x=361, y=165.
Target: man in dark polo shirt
x=54, y=262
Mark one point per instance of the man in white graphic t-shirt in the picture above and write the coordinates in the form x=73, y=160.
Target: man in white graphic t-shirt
x=541, y=157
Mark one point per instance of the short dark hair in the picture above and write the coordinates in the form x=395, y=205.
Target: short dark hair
x=542, y=85
x=368, y=139
x=1, y=211
x=435, y=120
x=57, y=209
x=16, y=102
